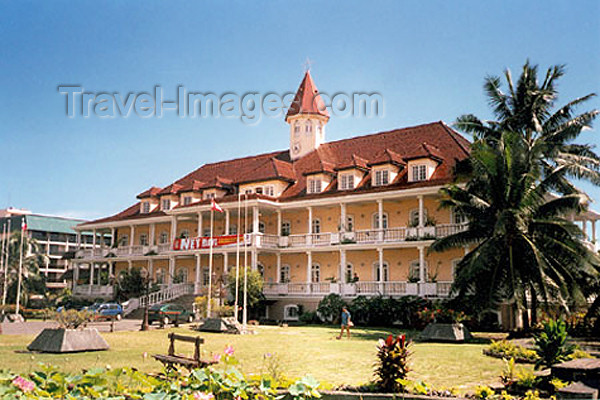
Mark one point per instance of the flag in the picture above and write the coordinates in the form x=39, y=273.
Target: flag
x=214, y=206
x=23, y=225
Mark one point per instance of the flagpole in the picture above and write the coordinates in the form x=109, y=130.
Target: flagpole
x=237, y=257
x=6, y=265
x=20, y=268
x=210, y=263
x=245, y=313
x=2, y=267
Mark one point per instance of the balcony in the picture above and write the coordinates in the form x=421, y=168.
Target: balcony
x=94, y=291
x=361, y=288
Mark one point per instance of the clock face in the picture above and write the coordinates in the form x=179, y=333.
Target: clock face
x=296, y=148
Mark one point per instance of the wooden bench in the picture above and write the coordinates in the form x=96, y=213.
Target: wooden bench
x=171, y=359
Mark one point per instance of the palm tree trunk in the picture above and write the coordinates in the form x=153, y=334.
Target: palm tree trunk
x=534, y=306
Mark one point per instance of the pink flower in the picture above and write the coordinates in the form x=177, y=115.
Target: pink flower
x=23, y=384
x=229, y=351
x=203, y=396
x=217, y=357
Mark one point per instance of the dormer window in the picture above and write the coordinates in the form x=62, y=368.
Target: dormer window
x=314, y=185
x=145, y=207
x=419, y=172
x=166, y=204
x=382, y=177
x=210, y=196
x=259, y=190
x=187, y=200
x=308, y=127
x=346, y=181
x=296, y=128
x=270, y=190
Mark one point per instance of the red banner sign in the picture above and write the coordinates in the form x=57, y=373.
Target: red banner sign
x=198, y=243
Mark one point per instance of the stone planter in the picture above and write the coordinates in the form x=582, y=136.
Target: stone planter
x=436, y=332
x=59, y=340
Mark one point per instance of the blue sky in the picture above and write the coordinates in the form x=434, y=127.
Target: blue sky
x=427, y=59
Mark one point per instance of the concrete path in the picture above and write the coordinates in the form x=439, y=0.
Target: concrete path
x=35, y=327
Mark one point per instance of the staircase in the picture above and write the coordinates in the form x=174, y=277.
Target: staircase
x=162, y=296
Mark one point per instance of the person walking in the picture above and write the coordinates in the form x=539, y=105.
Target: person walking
x=346, y=323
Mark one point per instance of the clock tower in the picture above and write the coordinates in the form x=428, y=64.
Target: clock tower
x=307, y=117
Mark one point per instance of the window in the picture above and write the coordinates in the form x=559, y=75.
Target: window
x=316, y=225
x=349, y=223
x=382, y=177
x=187, y=200
x=166, y=204
x=286, y=228
x=205, y=276
x=296, y=128
x=308, y=127
x=261, y=270
x=259, y=190
x=315, y=273
x=233, y=229
x=206, y=232
x=261, y=227
x=376, y=272
x=284, y=274
x=182, y=275
x=384, y=221
x=248, y=191
x=314, y=185
x=414, y=217
x=123, y=240
x=346, y=181
x=413, y=271
x=143, y=239
x=270, y=190
x=459, y=218
x=291, y=312
x=163, y=238
x=145, y=207
x=349, y=273
x=185, y=233
x=210, y=196
x=419, y=172
x=160, y=276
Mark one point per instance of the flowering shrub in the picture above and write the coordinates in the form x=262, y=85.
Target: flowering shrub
x=226, y=383
x=392, y=363
x=441, y=315
x=509, y=350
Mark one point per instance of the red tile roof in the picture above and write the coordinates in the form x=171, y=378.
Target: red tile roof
x=307, y=100
x=434, y=140
x=153, y=191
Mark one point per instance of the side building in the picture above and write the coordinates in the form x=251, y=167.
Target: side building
x=55, y=236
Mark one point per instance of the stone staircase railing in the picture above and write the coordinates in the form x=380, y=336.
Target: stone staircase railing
x=161, y=296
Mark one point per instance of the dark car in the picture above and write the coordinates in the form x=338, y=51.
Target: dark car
x=169, y=313
x=106, y=311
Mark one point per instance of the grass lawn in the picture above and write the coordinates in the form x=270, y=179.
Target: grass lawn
x=301, y=350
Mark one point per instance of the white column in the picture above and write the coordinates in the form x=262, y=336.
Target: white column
x=255, y=219
x=278, y=222
x=584, y=228
x=129, y=264
x=78, y=239
x=308, y=268
x=151, y=240
x=310, y=219
x=422, y=277
x=254, y=260
x=91, y=275
x=173, y=228
x=113, y=239
x=131, y=237
x=380, y=264
x=225, y=263
x=94, y=239
x=421, y=211
x=150, y=268
x=75, y=274
x=226, y=222
x=343, y=221
x=380, y=219
x=343, y=266
x=278, y=268
x=171, y=271
x=197, y=282
x=594, y=231
x=200, y=233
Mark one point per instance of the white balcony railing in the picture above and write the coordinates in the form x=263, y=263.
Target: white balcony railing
x=94, y=291
x=361, y=288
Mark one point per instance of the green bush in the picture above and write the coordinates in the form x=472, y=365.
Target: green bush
x=509, y=350
x=551, y=344
x=330, y=308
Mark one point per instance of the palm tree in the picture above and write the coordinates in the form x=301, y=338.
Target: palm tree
x=528, y=108
x=523, y=247
x=32, y=281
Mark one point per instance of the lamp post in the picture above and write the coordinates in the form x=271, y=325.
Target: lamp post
x=146, y=278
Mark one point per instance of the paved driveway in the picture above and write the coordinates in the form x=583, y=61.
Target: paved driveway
x=35, y=327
